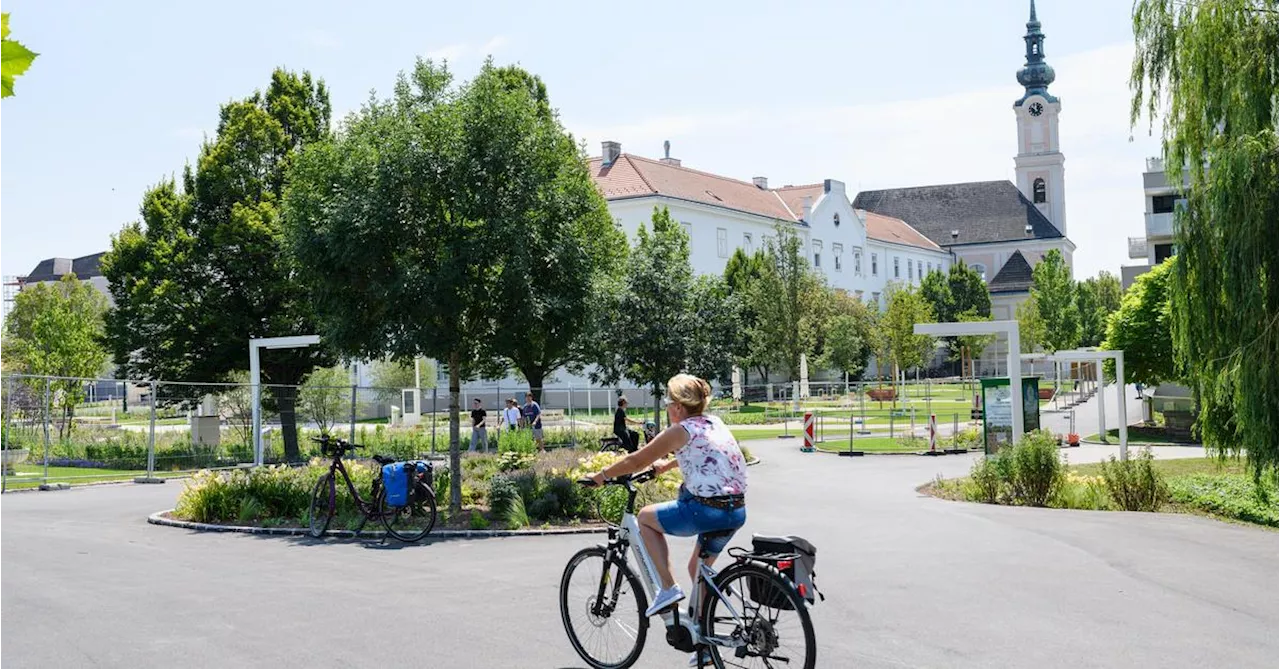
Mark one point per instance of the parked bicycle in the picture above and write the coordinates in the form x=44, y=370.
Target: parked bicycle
x=748, y=615
x=409, y=522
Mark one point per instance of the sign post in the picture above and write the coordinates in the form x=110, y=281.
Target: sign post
x=808, y=432
x=933, y=432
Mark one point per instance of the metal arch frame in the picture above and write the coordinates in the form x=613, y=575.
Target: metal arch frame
x=1098, y=356
x=1010, y=330
x=255, y=377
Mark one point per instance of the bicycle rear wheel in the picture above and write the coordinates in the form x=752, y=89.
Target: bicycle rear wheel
x=320, y=513
x=411, y=522
x=774, y=625
x=602, y=606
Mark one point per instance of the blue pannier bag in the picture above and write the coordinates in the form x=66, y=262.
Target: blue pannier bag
x=395, y=481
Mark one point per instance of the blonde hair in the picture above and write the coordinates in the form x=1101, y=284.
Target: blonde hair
x=690, y=392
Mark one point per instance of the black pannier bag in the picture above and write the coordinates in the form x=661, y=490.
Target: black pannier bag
x=792, y=556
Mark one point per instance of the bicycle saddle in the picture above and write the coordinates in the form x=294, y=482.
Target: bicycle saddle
x=383, y=460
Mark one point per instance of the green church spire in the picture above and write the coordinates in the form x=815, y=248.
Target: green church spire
x=1035, y=75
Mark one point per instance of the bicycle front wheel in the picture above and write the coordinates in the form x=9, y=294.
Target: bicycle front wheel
x=602, y=606
x=763, y=616
x=413, y=521
x=320, y=513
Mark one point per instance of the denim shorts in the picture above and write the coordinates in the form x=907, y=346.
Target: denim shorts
x=685, y=517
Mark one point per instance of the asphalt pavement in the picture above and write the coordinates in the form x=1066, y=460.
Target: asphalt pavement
x=911, y=581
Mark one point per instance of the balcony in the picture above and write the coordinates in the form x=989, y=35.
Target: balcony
x=1160, y=225
x=1138, y=247
x=1155, y=164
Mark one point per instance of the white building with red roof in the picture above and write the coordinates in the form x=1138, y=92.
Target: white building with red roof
x=858, y=251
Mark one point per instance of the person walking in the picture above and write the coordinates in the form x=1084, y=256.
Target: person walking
x=532, y=412
x=509, y=421
x=478, y=433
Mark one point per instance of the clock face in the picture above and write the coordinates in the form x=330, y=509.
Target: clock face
x=1036, y=109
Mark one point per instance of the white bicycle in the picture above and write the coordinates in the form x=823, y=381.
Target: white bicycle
x=748, y=615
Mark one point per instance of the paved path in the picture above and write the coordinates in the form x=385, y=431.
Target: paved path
x=911, y=581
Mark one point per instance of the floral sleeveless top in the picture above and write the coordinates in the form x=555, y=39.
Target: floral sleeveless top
x=712, y=463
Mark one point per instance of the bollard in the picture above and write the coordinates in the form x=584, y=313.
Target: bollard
x=808, y=432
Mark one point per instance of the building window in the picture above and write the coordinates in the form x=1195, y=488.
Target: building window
x=722, y=242
x=897, y=273
x=835, y=218
x=910, y=275
x=747, y=244
x=817, y=253
x=858, y=294
x=930, y=267
x=875, y=297
x=1164, y=251
x=688, y=230
x=1037, y=191
x=920, y=269
x=875, y=267
x=981, y=269
x=837, y=250
x=1163, y=204
x=857, y=262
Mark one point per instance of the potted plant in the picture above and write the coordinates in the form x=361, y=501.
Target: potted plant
x=12, y=455
x=1073, y=439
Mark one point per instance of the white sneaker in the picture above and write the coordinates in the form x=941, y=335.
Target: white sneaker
x=704, y=656
x=665, y=597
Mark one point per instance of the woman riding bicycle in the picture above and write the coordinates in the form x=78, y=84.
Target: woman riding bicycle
x=712, y=502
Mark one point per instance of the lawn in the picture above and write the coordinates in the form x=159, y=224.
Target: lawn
x=877, y=445
x=1178, y=467
x=1139, y=434
x=72, y=475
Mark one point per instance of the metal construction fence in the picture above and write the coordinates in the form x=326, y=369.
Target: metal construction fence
x=77, y=430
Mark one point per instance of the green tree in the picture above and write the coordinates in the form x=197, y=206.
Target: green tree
x=324, y=396
x=1142, y=329
x=1031, y=327
x=14, y=58
x=790, y=302
x=206, y=269
x=936, y=290
x=1055, y=296
x=968, y=292
x=404, y=224
x=56, y=330
x=1209, y=69
x=849, y=339
x=743, y=275
x=906, y=307
x=1096, y=299
x=554, y=263
x=661, y=320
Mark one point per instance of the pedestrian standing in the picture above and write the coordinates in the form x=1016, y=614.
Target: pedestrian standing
x=477, y=427
x=532, y=413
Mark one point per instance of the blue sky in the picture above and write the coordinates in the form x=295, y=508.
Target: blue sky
x=877, y=94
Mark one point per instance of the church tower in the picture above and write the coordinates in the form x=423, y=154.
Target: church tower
x=1039, y=163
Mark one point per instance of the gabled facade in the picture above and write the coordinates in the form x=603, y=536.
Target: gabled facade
x=858, y=251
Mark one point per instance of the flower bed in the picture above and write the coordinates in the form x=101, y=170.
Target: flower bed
x=511, y=490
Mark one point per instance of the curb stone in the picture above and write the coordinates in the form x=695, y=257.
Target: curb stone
x=159, y=518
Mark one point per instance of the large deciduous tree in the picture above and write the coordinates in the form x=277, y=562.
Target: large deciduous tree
x=1209, y=69
x=16, y=58
x=1054, y=292
x=790, y=302
x=439, y=219
x=56, y=330
x=1096, y=299
x=1141, y=328
x=555, y=260
x=661, y=320
x=206, y=269
x=742, y=276
x=849, y=338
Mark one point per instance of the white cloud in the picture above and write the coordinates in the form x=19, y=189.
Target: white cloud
x=493, y=45
x=449, y=52
x=969, y=136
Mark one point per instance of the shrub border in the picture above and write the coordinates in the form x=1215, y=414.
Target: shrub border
x=161, y=518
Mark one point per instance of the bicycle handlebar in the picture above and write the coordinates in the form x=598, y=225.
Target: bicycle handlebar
x=625, y=479
x=324, y=439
